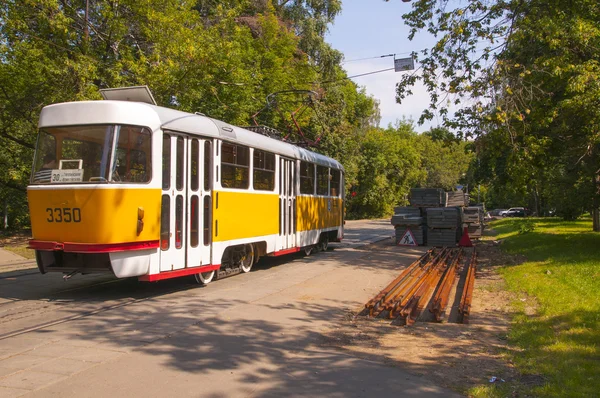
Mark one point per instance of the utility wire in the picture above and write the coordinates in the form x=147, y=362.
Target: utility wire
x=376, y=57
x=362, y=74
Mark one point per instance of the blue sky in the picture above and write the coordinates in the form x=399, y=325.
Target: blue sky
x=372, y=28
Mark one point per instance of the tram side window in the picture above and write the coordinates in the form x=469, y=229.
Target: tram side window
x=334, y=189
x=166, y=177
x=307, y=178
x=179, y=165
x=264, y=171
x=45, y=158
x=235, y=164
x=178, y=221
x=194, y=216
x=131, y=160
x=207, y=165
x=322, y=180
x=194, y=165
x=165, y=222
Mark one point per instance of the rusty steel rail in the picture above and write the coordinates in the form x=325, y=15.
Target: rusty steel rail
x=467, y=295
x=428, y=279
x=417, y=303
x=401, y=298
x=442, y=296
x=377, y=301
x=405, y=304
x=400, y=290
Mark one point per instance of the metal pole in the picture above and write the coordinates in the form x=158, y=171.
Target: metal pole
x=85, y=28
x=6, y=214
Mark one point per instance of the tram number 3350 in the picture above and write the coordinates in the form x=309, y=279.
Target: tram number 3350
x=65, y=214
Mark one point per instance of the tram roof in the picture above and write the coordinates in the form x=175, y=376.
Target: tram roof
x=157, y=117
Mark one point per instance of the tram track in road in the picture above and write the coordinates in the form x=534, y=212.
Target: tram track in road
x=19, y=275
x=19, y=271
x=49, y=299
x=61, y=304
x=155, y=292
x=92, y=312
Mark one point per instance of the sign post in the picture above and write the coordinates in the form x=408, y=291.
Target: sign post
x=402, y=64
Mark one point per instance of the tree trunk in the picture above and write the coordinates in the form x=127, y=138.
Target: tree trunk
x=536, y=199
x=595, y=211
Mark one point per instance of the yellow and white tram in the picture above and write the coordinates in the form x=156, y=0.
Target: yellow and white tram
x=135, y=189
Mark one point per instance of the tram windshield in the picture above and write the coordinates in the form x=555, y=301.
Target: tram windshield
x=92, y=154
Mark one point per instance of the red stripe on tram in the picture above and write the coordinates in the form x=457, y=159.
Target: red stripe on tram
x=92, y=247
x=286, y=251
x=179, y=272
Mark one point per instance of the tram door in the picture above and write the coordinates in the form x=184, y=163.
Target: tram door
x=199, y=205
x=287, y=199
x=186, y=202
x=173, y=203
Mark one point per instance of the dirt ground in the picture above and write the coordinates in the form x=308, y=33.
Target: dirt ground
x=455, y=355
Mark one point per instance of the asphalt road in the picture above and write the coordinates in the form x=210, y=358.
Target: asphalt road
x=256, y=334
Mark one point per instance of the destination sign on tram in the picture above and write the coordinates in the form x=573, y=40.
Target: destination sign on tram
x=61, y=175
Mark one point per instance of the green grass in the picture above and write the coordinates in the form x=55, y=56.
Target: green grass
x=16, y=242
x=21, y=250
x=561, y=341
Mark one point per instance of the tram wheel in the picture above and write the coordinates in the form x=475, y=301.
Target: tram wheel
x=308, y=250
x=247, y=259
x=324, y=244
x=204, y=278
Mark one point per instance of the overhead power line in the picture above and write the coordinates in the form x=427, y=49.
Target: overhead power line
x=376, y=57
x=362, y=74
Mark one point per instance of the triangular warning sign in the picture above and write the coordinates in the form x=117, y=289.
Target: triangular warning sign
x=407, y=239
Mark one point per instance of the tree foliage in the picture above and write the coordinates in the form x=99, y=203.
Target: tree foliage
x=525, y=76
x=396, y=159
x=241, y=61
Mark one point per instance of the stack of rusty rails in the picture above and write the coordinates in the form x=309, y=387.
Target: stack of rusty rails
x=442, y=295
x=465, y=301
x=410, y=307
x=375, y=304
x=400, y=303
x=402, y=291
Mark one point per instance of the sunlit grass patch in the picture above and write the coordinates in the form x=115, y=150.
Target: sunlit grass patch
x=21, y=250
x=561, y=340
x=495, y=390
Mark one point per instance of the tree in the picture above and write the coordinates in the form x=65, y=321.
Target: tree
x=528, y=71
x=389, y=166
x=219, y=58
x=445, y=161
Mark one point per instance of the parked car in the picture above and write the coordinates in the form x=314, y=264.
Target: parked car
x=497, y=212
x=514, y=212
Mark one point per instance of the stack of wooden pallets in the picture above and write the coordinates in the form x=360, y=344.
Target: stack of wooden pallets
x=427, y=197
x=456, y=199
x=437, y=218
x=472, y=219
x=443, y=226
x=408, y=218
